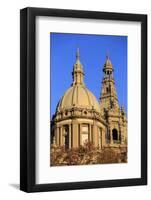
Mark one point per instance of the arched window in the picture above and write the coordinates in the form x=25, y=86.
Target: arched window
x=66, y=136
x=100, y=137
x=115, y=134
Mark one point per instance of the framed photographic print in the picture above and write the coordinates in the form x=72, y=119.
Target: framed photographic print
x=83, y=99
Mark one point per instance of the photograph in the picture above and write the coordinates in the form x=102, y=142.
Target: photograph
x=83, y=99
x=88, y=99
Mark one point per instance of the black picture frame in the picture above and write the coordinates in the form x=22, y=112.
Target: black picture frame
x=28, y=99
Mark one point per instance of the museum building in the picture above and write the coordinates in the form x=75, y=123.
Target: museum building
x=81, y=118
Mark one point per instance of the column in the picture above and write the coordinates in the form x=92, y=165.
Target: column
x=61, y=137
x=100, y=137
x=122, y=136
x=95, y=134
x=57, y=135
x=75, y=134
x=79, y=135
x=119, y=134
x=70, y=136
x=103, y=136
x=111, y=136
x=90, y=136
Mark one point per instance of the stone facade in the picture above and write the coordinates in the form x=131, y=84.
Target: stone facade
x=80, y=118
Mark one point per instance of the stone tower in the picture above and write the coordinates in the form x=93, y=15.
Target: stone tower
x=113, y=114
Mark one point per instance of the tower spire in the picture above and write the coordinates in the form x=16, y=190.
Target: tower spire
x=107, y=55
x=78, y=54
x=108, y=68
x=78, y=74
x=108, y=97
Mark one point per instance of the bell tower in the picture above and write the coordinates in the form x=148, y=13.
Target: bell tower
x=108, y=97
x=110, y=110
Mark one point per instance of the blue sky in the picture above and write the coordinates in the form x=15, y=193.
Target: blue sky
x=93, y=51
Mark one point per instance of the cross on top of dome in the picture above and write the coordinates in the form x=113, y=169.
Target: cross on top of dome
x=78, y=74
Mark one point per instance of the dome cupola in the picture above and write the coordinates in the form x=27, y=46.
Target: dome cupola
x=78, y=95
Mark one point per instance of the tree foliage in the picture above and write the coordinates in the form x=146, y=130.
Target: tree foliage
x=86, y=154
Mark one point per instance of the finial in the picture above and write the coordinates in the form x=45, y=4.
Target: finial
x=78, y=54
x=107, y=55
x=77, y=73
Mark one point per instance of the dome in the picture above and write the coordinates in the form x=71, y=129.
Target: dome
x=78, y=96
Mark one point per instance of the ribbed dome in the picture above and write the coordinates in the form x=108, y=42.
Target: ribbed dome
x=78, y=96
